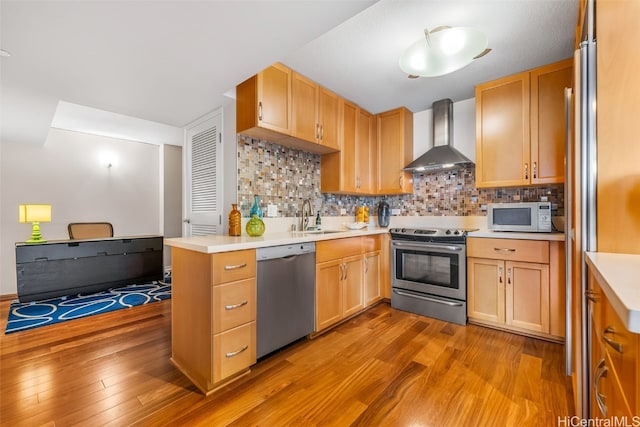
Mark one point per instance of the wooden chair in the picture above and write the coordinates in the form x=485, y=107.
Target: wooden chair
x=89, y=230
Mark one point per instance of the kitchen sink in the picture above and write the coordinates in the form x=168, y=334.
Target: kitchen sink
x=304, y=233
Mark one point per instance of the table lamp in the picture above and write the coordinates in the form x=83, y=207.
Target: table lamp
x=35, y=214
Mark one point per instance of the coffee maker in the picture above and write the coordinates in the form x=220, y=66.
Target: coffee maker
x=384, y=213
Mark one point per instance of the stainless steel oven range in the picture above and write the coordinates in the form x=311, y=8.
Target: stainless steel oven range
x=429, y=274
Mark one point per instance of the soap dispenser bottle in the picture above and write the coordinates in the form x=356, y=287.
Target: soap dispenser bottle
x=318, y=221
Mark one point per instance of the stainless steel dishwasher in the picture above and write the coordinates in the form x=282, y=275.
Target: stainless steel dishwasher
x=286, y=295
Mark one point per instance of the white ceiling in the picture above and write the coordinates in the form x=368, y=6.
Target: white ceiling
x=171, y=61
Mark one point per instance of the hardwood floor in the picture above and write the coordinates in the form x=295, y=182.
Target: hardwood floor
x=382, y=368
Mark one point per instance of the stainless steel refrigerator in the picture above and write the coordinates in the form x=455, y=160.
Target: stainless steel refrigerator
x=580, y=208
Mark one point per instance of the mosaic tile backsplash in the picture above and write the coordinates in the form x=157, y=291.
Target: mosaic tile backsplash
x=285, y=177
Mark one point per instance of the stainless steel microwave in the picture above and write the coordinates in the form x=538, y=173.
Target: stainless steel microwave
x=525, y=217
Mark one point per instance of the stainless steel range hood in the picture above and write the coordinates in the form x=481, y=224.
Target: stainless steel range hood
x=442, y=155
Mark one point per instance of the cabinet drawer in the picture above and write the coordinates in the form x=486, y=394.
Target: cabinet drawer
x=234, y=351
x=371, y=243
x=509, y=249
x=232, y=266
x=233, y=304
x=622, y=348
x=328, y=250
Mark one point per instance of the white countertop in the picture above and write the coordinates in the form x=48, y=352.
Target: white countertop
x=217, y=243
x=619, y=278
x=516, y=235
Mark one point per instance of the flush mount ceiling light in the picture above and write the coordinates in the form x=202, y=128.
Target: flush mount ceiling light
x=442, y=51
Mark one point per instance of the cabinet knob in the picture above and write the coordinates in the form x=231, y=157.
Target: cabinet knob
x=535, y=170
x=260, y=111
x=526, y=171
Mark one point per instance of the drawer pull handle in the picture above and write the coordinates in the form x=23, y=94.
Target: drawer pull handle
x=613, y=344
x=234, y=306
x=600, y=398
x=237, y=352
x=592, y=296
x=234, y=267
x=504, y=249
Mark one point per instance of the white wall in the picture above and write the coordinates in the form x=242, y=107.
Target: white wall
x=69, y=173
x=464, y=129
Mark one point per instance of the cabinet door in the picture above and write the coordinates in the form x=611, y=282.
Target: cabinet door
x=364, y=122
x=352, y=285
x=329, y=118
x=274, y=98
x=328, y=293
x=486, y=290
x=502, y=132
x=348, y=156
x=372, y=291
x=304, y=108
x=395, y=151
x=527, y=295
x=547, y=121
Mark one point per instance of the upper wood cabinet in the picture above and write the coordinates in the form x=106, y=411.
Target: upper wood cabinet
x=263, y=104
x=329, y=118
x=520, y=127
x=282, y=106
x=395, y=151
x=365, y=152
x=315, y=112
x=351, y=171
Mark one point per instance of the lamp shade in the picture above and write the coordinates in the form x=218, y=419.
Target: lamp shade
x=34, y=213
x=443, y=51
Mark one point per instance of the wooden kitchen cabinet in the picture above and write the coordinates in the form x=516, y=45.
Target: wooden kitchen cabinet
x=281, y=106
x=263, y=104
x=339, y=285
x=372, y=279
x=395, y=151
x=213, y=315
x=514, y=285
x=614, y=359
x=350, y=171
x=520, y=127
x=315, y=112
x=347, y=278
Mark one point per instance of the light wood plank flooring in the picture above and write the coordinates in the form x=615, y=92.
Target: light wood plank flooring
x=382, y=368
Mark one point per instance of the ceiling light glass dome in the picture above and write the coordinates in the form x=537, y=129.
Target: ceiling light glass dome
x=442, y=51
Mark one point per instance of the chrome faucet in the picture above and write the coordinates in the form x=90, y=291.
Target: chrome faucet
x=306, y=213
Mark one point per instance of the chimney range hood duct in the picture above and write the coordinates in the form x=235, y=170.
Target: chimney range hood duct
x=442, y=156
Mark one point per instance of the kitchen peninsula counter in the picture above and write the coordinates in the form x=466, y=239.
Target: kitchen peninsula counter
x=617, y=275
x=218, y=243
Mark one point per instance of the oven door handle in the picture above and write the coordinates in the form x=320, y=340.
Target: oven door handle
x=439, y=301
x=427, y=246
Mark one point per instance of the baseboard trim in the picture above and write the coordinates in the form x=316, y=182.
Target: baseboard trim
x=8, y=297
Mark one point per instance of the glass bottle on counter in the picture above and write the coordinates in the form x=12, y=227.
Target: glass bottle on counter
x=235, y=220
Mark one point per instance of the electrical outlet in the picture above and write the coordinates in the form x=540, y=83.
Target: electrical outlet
x=395, y=211
x=516, y=197
x=272, y=211
x=544, y=198
x=343, y=211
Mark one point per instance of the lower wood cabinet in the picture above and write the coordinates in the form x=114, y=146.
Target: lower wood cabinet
x=213, y=315
x=372, y=282
x=615, y=365
x=510, y=285
x=347, y=278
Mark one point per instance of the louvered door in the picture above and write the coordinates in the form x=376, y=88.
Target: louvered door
x=203, y=176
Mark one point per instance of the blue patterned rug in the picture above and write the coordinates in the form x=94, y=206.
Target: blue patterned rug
x=29, y=315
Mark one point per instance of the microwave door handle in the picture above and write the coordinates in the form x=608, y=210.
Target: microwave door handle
x=428, y=246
